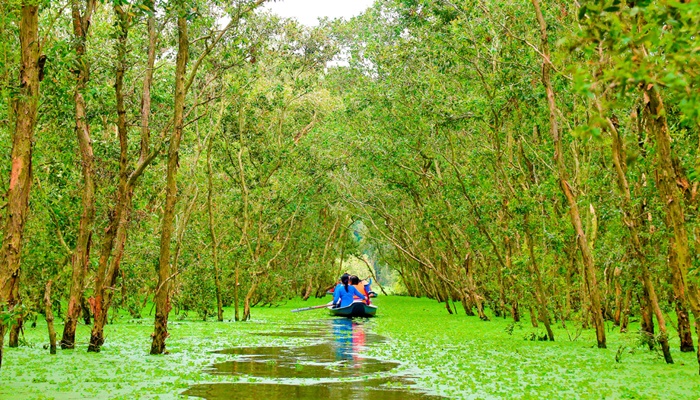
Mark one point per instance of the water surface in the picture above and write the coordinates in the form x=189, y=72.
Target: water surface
x=333, y=364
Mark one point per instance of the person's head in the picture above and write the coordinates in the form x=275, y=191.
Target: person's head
x=354, y=280
x=344, y=279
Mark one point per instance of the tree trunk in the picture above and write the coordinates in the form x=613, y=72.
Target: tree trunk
x=589, y=267
x=447, y=307
x=467, y=305
x=671, y=198
x=513, y=304
x=19, y=321
x=471, y=287
x=162, y=295
x=25, y=108
x=116, y=235
x=647, y=321
x=236, y=293
x=619, y=160
x=49, y=317
x=618, y=301
x=540, y=296
x=212, y=230
x=568, y=274
x=248, y=297
x=501, y=279
x=533, y=318
x=107, y=275
x=500, y=309
x=85, y=306
x=624, y=320
x=684, y=333
x=654, y=305
x=81, y=254
x=308, y=289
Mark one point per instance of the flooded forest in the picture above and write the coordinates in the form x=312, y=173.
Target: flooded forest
x=185, y=182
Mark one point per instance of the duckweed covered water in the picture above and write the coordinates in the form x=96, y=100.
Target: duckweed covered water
x=332, y=365
x=454, y=356
x=379, y=389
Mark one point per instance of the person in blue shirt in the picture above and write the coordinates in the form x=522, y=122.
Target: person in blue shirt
x=344, y=292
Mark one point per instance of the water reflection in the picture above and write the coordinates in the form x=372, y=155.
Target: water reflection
x=343, y=336
x=379, y=389
x=335, y=351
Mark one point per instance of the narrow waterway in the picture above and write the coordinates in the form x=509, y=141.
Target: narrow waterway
x=333, y=364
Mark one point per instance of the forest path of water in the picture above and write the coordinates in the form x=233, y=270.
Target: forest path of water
x=453, y=356
x=331, y=364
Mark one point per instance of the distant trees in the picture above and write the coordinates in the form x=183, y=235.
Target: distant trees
x=446, y=105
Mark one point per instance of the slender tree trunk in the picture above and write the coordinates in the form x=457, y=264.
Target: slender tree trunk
x=647, y=320
x=85, y=305
x=308, y=289
x=248, y=298
x=585, y=300
x=533, y=317
x=49, y=317
x=619, y=154
x=116, y=235
x=467, y=304
x=515, y=310
x=671, y=198
x=370, y=268
x=618, y=301
x=624, y=320
x=236, y=293
x=654, y=305
x=81, y=254
x=540, y=296
x=513, y=304
x=107, y=276
x=182, y=83
x=25, y=109
x=162, y=295
x=500, y=310
x=589, y=267
x=471, y=287
x=148, y=82
x=684, y=333
x=447, y=306
x=19, y=321
x=571, y=255
x=212, y=231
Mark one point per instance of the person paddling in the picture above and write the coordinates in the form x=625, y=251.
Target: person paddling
x=343, y=295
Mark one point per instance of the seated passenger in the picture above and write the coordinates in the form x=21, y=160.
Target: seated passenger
x=343, y=295
x=355, y=281
x=368, y=289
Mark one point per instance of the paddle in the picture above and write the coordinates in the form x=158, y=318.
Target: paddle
x=311, y=308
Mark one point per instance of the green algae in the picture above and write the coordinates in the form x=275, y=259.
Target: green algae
x=450, y=355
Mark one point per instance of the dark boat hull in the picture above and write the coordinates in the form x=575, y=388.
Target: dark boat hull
x=356, y=309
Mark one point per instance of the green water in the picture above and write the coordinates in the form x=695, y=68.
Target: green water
x=454, y=356
x=332, y=365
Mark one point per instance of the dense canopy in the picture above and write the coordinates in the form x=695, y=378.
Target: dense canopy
x=503, y=158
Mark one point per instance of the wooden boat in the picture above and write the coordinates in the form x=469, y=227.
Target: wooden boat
x=356, y=309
